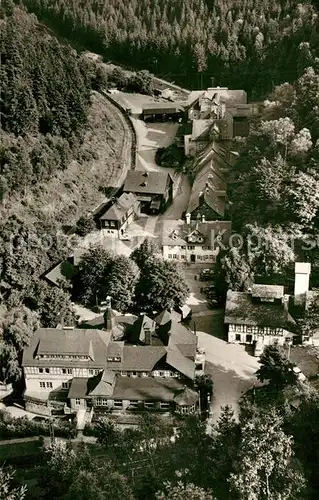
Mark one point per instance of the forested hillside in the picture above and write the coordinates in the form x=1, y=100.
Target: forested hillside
x=274, y=189
x=54, y=158
x=242, y=44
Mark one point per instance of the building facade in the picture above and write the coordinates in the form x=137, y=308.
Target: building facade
x=196, y=242
x=120, y=215
x=154, y=190
x=131, y=364
x=259, y=317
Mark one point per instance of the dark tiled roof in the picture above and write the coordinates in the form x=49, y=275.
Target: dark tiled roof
x=154, y=183
x=139, y=358
x=267, y=291
x=186, y=397
x=120, y=207
x=102, y=384
x=136, y=389
x=163, y=318
x=242, y=309
x=92, y=343
x=61, y=272
x=146, y=389
x=137, y=332
x=209, y=170
x=178, y=361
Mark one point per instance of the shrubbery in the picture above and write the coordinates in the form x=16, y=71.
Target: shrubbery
x=11, y=427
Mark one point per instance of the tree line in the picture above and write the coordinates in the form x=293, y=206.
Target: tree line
x=245, y=44
x=44, y=100
x=273, y=189
x=270, y=451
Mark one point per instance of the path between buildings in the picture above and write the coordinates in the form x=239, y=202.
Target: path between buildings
x=232, y=370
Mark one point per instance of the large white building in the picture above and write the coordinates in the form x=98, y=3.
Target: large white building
x=195, y=242
x=117, y=363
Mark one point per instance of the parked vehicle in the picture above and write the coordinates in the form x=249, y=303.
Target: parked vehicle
x=206, y=275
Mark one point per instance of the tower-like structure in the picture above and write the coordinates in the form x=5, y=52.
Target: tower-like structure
x=109, y=315
x=302, y=275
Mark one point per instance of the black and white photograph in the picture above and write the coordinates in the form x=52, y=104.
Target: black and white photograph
x=159, y=250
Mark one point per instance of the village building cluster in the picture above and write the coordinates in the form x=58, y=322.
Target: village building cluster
x=127, y=363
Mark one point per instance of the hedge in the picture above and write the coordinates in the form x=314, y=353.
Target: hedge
x=11, y=427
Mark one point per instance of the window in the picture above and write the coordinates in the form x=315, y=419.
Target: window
x=183, y=257
x=148, y=404
x=49, y=385
x=70, y=370
x=101, y=402
x=144, y=374
x=65, y=385
x=134, y=374
x=124, y=374
x=47, y=370
x=133, y=404
x=175, y=256
x=237, y=337
x=77, y=401
x=164, y=406
x=112, y=223
x=183, y=248
x=91, y=372
x=63, y=370
x=117, y=404
x=161, y=374
x=199, y=257
x=40, y=370
x=169, y=256
x=191, y=248
x=249, y=338
x=42, y=385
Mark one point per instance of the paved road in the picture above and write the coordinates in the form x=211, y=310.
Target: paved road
x=232, y=369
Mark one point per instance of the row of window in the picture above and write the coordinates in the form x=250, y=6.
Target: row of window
x=155, y=373
x=61, y=371
x=198, y=257
x=49, y=385
x=249, y=338
x=63, y=356
x=191, y=247
x=256, y=329
x=133, y=404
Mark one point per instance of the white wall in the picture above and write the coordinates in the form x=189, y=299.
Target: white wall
x=184, y=255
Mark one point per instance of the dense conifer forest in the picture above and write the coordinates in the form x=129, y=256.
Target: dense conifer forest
x=242, y=44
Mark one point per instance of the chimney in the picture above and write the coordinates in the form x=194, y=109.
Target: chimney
x=188, y=218
x=147, y=336
x=203, y=218
x=109, y=315
x=285, y=302
x=302, y=275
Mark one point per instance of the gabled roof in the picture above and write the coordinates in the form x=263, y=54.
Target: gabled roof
x=137, y=332
x=120, y=207
x=214, y=234
x=139, y=358
x=178, y=361
x=186, y=397
x=102, y=384
x=163, y=318
x=61, y=343
x=140, y=181
x=62, y=272
x=210, y=183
